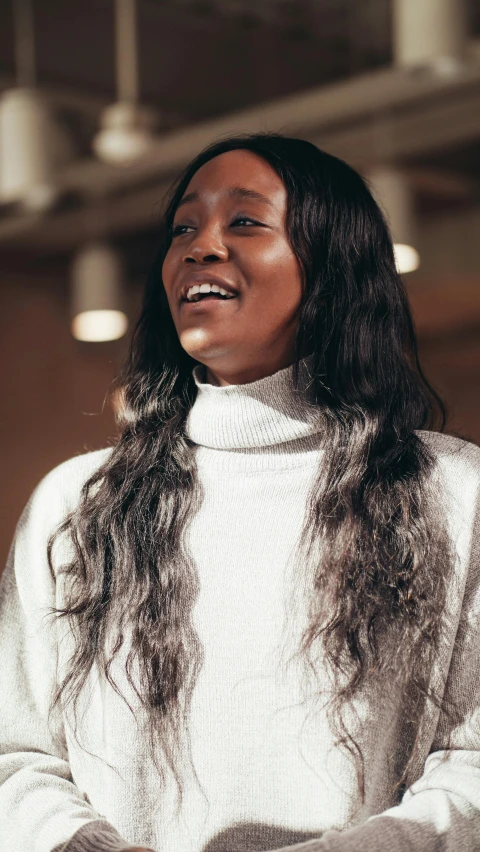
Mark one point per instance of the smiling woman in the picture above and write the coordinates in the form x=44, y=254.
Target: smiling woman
x=227, y=233
x=265, y=597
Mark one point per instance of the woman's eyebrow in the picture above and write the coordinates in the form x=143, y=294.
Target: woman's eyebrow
x=233, y=192
x=242, y=192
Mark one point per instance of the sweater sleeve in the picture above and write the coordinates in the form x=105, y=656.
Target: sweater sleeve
x=41, y=808
x=440, y=811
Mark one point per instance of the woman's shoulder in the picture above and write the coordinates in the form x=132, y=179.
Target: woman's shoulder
x=59, y=490
x=459, y=457
x=80, y=466
x=445, y=444
x=55, y=496
x=76, y=469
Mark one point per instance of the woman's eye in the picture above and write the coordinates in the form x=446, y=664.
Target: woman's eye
x=178, y=229
x=244, y=219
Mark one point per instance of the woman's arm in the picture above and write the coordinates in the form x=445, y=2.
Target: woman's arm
x=40, y=806
x=440, y=812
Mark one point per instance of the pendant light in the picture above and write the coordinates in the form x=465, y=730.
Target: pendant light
x=32, y=145
x=392, y=191
x=430, y=34
x=127, y=127
x=98, y=297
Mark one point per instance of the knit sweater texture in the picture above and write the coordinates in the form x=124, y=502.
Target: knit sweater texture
x=271, y=775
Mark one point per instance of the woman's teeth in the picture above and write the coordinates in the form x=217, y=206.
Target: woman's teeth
x=195, y=292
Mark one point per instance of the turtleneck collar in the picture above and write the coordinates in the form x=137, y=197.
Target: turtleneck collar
x=257, y=414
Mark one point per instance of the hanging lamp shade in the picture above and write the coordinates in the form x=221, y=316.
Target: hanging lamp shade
x=127, y=128
x=32, y=143
x=98, y=297
x=430, y=34
x=392, y=191
x=127, y=133
x=32, y=147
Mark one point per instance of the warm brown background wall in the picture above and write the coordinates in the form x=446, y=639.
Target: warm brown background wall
x=54, y=390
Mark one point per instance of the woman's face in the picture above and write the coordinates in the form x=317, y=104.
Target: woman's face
x=230, y=230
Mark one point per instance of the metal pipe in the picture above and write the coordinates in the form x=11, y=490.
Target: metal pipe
x=24, y=43
x=126, y=50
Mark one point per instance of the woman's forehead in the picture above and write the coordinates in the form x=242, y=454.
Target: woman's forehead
x=235, y=174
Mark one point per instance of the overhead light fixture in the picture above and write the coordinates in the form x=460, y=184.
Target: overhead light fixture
x=98, y=310
x=407, y=258
x=392, y=191
x=32, y=144
x=127, y=127
x=430, y=35
x=127, y=133
x=31, y=150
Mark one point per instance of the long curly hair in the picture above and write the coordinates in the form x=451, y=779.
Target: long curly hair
x=377, y=596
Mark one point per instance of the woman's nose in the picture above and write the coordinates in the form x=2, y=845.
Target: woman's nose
x=206, y=248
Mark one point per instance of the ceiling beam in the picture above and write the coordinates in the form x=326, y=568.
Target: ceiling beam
x=386, y=114
x=389, y=114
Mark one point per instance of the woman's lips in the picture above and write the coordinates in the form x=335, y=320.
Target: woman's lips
x=207, y=302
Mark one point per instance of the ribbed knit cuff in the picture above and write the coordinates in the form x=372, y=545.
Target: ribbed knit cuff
x=95, y=836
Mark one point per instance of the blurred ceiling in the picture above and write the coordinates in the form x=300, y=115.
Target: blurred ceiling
x=203, y=58
x=265, y=60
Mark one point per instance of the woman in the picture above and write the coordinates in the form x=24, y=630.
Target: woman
x=254, y=622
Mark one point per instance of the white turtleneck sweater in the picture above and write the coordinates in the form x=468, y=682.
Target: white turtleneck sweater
x=263, y=752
